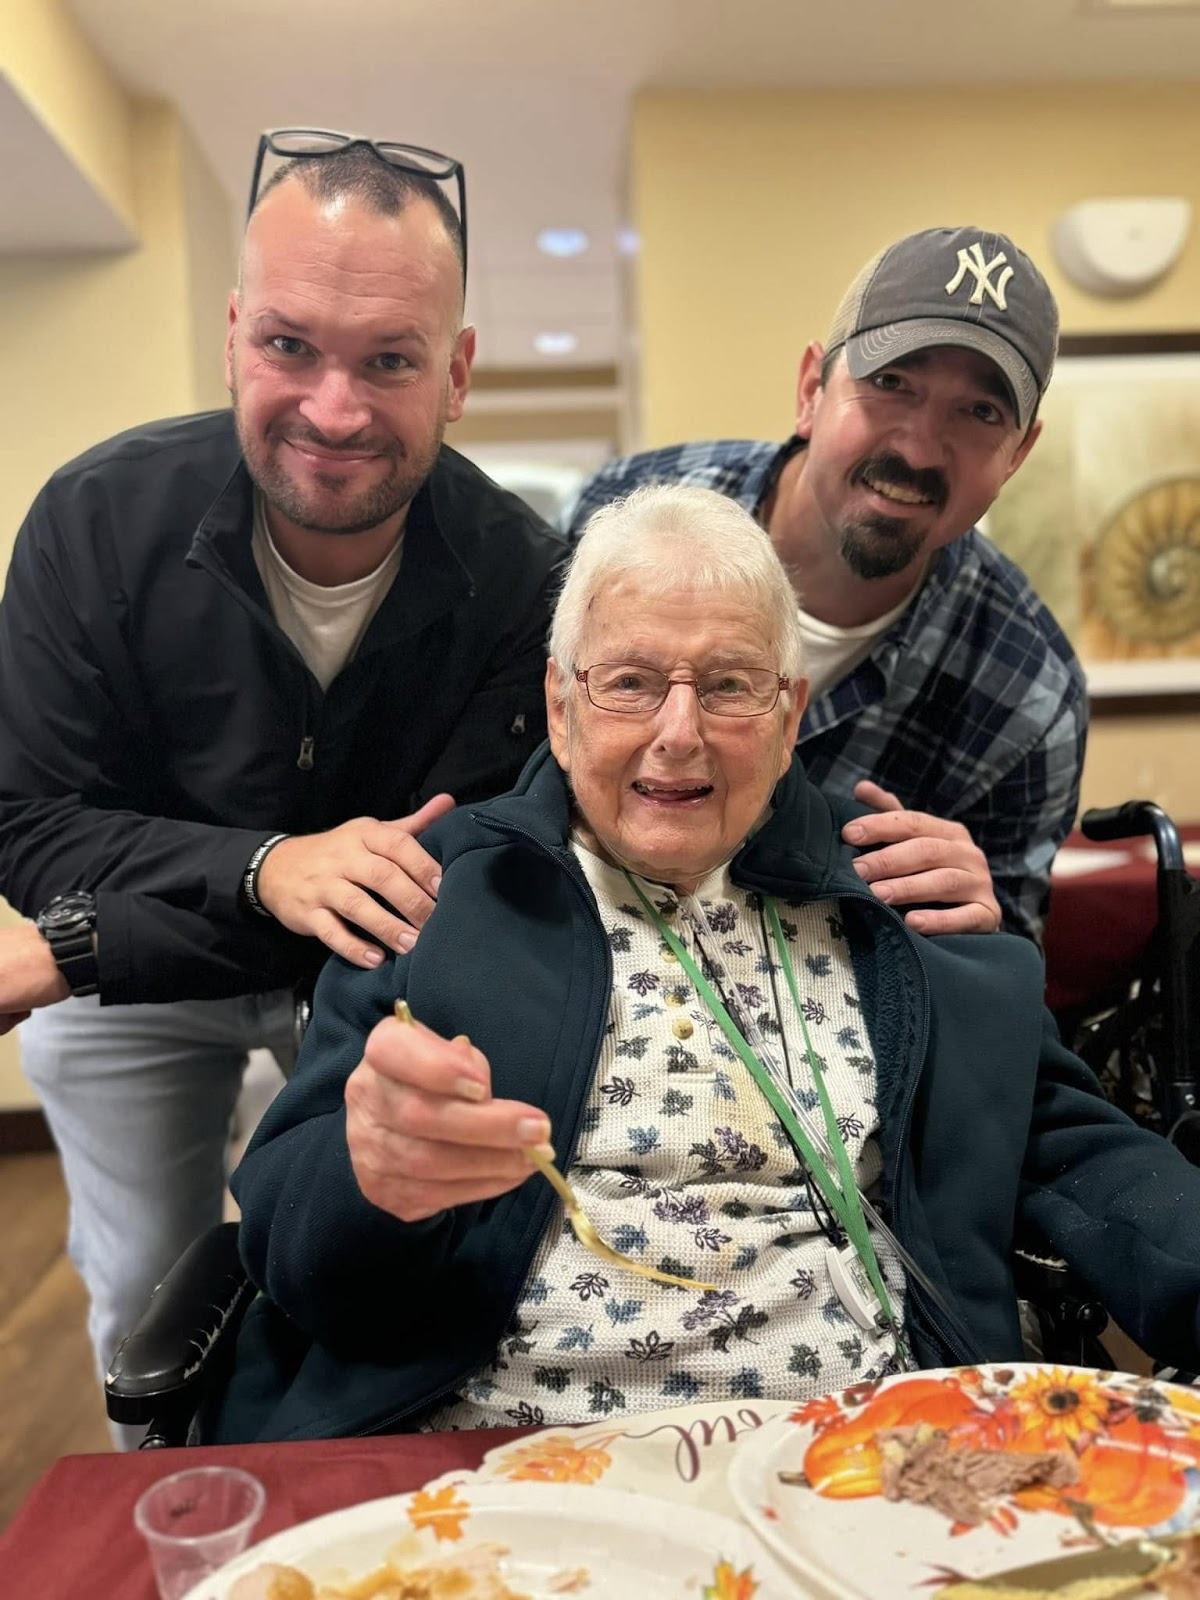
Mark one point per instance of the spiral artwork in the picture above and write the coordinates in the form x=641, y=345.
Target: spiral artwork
x=1146, y=566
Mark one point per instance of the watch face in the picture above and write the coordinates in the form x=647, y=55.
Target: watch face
x=68, y=911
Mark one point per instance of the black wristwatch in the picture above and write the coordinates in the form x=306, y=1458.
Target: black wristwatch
x=68, y=925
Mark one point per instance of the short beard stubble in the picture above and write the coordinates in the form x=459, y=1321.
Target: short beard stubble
x=357, y=514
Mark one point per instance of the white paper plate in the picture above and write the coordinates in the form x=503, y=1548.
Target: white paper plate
x=1137, y=1444
x=680, y=1454
x=633, y=1547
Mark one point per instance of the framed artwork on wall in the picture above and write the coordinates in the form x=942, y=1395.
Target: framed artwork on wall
x=1105, y=514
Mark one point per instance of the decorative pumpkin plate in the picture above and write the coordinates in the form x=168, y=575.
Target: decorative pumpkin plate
x=549, y=1540
x=899, y=1487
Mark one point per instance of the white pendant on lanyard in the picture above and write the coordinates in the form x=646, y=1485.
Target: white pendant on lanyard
x=853, y=1288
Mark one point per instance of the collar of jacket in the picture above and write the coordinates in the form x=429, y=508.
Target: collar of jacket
x=436, y=577
x=799, y=844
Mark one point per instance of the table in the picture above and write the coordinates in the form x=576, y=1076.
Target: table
x=1101, y=917
x=74, y=1539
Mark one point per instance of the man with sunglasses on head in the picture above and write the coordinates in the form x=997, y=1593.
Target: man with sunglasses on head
x=245, y=657
x=938, y=681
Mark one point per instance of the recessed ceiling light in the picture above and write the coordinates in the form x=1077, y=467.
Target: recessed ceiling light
x=554, y=344
x=562, y=241
x=629, y=241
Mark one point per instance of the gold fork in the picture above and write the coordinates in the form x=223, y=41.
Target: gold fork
x=579, y=1219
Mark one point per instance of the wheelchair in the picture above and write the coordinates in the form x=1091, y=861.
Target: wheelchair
x=1144, y=1044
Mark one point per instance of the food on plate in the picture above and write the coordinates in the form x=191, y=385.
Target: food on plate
x=472, y=1574
x=921, y=1464
x=272, y=1582
x=1177, y=1579
x=1180, y=1578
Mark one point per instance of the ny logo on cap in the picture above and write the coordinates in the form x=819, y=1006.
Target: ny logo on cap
x=972, y=261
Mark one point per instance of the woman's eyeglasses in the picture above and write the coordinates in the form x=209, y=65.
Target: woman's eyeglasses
x=626, y=686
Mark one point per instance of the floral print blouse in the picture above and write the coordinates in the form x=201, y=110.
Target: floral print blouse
x=682, y=1163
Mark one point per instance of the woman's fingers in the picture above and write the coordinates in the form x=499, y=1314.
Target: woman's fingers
x=423, y=1130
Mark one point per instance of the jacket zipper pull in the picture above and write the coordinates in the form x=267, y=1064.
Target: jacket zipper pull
x=305, y=759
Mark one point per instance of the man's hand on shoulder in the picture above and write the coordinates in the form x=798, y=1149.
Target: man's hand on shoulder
x=29, y=976
x=323, y=883
x=918, y=859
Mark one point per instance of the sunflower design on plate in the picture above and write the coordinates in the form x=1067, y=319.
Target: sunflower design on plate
x=1062, y=1407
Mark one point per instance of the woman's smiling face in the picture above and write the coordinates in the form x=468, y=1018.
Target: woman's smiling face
x=671, y=794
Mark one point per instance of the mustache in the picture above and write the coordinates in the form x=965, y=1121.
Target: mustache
x=359, y=444
x=893, y=470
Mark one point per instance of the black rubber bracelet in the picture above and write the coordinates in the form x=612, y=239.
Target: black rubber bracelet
x=254, y=867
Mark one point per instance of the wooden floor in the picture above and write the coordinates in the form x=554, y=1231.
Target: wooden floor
x=50, y=1402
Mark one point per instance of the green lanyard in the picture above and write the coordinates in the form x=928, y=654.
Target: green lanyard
x=840, y=1192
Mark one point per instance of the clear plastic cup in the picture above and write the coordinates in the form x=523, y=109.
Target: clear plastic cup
x=196, y=1520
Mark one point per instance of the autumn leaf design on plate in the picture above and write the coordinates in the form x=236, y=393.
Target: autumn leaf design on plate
x=729, y=1584
x=439, y=1509
x=557, y=1459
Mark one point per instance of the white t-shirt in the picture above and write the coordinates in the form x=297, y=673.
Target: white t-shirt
x=830, y=652
x=325, y=624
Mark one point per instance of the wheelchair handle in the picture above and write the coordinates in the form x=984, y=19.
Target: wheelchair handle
x=1132, y=819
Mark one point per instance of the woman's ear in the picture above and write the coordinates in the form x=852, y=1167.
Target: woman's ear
x=556, y=716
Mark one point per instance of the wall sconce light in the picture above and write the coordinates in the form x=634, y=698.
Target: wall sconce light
x=1120, y=247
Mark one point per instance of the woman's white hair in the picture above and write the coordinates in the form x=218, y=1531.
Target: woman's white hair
x=670, y=537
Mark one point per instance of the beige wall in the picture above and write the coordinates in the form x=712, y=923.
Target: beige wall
x=756, y=209
x=210, y=268
x=1152, y=754
x=70, y=90
x=91, y=344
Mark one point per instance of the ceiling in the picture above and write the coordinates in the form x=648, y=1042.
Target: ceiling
x=533, y=95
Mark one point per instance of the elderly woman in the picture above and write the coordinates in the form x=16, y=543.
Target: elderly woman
x=653, y=956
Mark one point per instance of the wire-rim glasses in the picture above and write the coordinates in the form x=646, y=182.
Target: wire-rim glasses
x=293, y=144
x=632, y=689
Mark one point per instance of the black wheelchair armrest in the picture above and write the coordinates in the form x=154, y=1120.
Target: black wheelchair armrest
x=1069, y=1317
x=184, y=1336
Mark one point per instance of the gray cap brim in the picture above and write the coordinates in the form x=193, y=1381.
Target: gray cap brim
x=868, y=352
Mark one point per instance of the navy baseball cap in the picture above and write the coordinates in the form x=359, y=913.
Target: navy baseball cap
x=953, y=286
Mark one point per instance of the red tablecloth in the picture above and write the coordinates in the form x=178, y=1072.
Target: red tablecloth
x=1099, y=921
x=74, y=1539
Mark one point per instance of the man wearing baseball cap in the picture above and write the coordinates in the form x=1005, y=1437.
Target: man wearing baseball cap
x=935, y=672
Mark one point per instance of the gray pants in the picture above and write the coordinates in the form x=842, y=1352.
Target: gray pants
x=139, y=1100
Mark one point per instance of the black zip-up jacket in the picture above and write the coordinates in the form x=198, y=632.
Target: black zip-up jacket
x=156, y=725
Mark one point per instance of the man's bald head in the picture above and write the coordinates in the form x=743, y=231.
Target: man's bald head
x=358, y=174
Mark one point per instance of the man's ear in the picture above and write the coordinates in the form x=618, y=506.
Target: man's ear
x=1023, y=449
x=808, y=388
x=459, y=382
x=230, y=333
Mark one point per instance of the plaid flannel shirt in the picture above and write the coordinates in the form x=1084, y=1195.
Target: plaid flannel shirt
x=971, y=706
